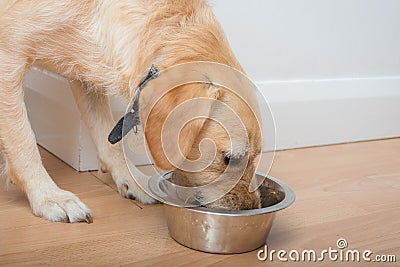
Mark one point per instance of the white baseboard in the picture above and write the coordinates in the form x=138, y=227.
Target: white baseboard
x=56, y=120
x=321, y=112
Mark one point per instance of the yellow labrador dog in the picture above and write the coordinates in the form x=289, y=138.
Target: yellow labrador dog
x=106, y=47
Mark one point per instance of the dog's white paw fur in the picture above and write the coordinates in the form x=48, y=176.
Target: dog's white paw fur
x=58, y=205
x=113, y=161
x=129, y=189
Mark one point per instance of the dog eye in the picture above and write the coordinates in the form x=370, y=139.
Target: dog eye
x=229, y=159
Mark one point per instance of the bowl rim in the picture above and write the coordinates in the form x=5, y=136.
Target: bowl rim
x=289, y=198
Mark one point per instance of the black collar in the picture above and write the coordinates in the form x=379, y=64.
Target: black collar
x=132, y=119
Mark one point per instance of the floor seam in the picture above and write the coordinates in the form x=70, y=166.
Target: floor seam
x=131, y=200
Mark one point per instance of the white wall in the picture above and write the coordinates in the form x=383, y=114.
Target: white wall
x=313, y=39
x=329, y=68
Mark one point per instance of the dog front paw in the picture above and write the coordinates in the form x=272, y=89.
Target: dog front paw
x=129, y=189
x=61, y=206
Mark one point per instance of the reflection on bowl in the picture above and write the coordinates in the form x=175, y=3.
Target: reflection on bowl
x=228, y=232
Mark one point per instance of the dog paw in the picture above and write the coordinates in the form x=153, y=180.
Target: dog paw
x=61, y=206
x=129, y=189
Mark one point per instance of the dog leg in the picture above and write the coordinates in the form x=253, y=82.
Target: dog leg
x=96, y=112
x=47, y=200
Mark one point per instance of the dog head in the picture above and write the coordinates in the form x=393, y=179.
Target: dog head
x=228, y=134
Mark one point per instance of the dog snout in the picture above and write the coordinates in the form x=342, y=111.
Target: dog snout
x=239, y=198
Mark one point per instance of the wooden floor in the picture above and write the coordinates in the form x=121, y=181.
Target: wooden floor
x=349, y=191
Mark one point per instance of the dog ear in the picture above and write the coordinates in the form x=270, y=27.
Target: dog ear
x=188, y=134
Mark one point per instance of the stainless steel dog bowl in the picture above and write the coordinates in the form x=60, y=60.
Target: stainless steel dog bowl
x=228, y=232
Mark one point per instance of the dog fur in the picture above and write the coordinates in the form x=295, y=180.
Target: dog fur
x=105, y=47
